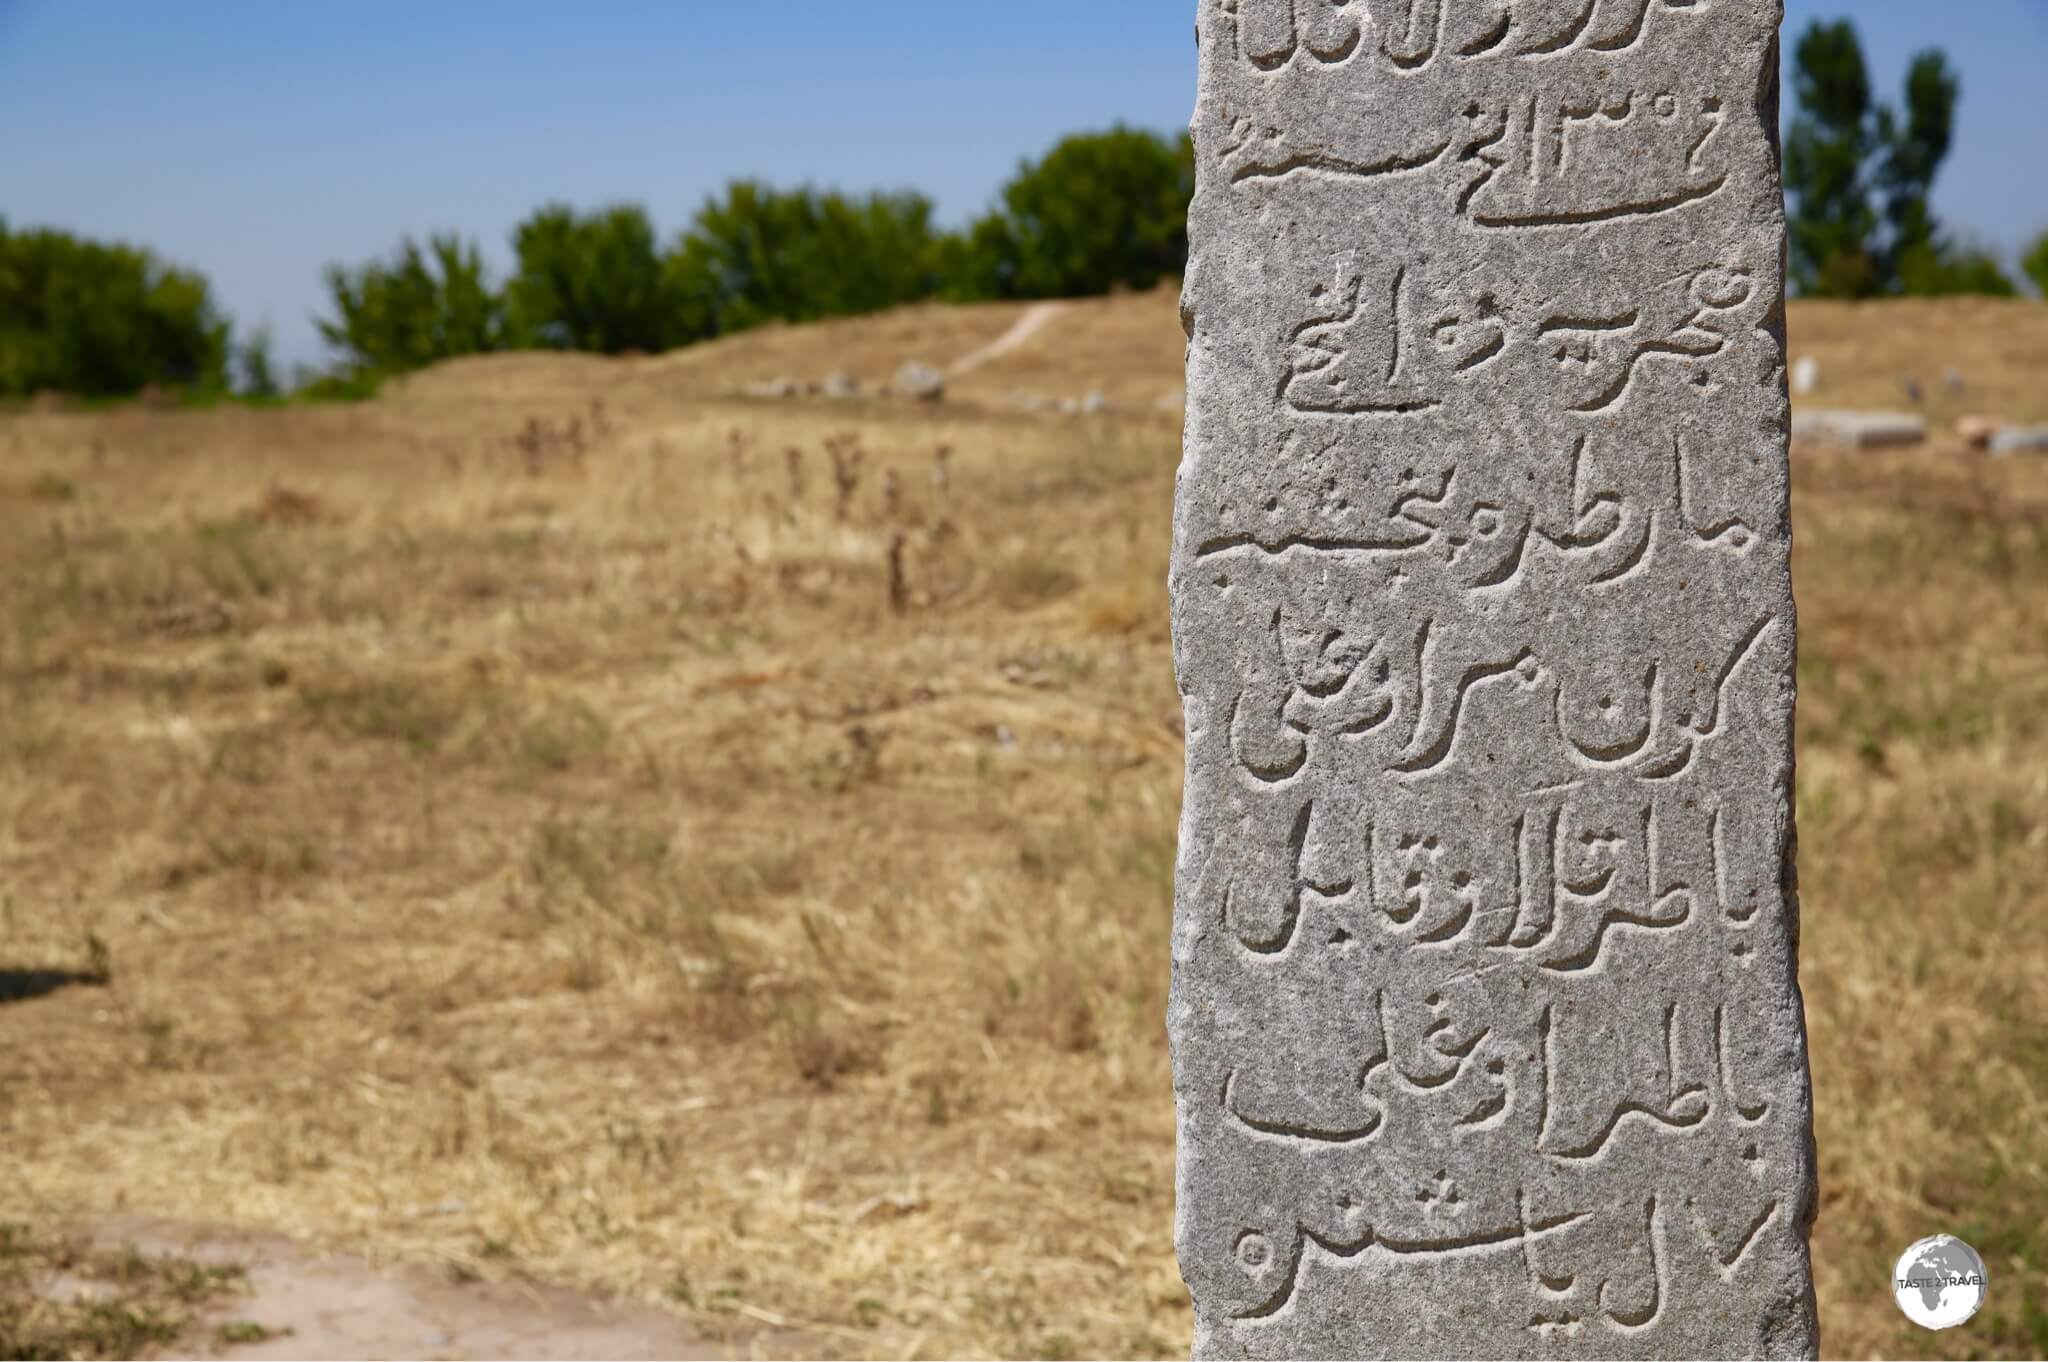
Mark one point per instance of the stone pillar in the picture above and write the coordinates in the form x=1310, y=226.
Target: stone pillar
x=1486, y=1025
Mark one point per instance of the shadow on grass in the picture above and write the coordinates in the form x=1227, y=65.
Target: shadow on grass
x=20, y=985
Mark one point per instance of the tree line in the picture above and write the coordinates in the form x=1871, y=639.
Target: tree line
x=1098, y=211
x=1859, y=173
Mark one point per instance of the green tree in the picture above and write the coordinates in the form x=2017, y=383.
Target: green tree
x=760, y=254
x=595, y=282
x=2035, y=263
x=1100, y=210
x=1825, y=155
x=102, y=320
x=258, y=372
x=1950, y=267
x=416, y=307
x=1860, y=174
x=1913, y=146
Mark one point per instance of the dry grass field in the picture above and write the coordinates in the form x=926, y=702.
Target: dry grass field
x=564, y=819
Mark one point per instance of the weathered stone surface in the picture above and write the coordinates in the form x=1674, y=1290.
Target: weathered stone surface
x=1486, y=1028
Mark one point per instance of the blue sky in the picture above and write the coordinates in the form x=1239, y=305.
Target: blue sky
x=258, y=141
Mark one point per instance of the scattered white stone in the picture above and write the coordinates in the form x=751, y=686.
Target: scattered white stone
x=1805, y=374
x=1094, y=402
x=2020, y=440
x=1859, y=429
x=920, y=382
x=840, y=385
x=777, y=387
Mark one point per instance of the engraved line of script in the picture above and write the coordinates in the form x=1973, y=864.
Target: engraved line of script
x=1419, y=41
x=1281, y=1298
x=1411, y=45
x=1622, y=917
x=1450, y=929
x=1738, y=913
x=1490, y=1114
x=1732, y=534
x=1475, y=152
x=1599, y=756
x=1751, y=1113
x=1438, y=752
x=1647, y=208
x=1564, y=39
x=1638, y=1322
x=1492, y=37
x=1288, y=768
x=1466, y=1244
x=1629, y=34
x=1297, y=843
x=1461, y=1054
x=1545, y=927
x=1504, y=576
x=1637, y=556
x=1735, y=660
x=1697, y=732
x=1324, y=354
x=1527, y=166
x=1394, y=304
x=1513, y=1236
x=1731, y=1259
x=1555, y=1286
x=1683, y=1109
x=1269, y=46
x=1291, y=1132
x=1327, y=163
x=1372, y=887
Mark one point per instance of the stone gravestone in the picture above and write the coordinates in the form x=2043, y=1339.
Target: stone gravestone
x=1486, y=1027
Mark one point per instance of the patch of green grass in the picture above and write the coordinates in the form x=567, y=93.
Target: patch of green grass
x=50, y=487
x=126, y=1303
x=242, y=1331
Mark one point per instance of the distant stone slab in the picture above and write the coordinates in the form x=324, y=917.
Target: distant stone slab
x=2019, y=440
x=1486, y=1032
x=1859, y=429
x=777, y=387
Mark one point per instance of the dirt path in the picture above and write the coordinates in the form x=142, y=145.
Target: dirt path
x=320, y=1305
x=1030, y=324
